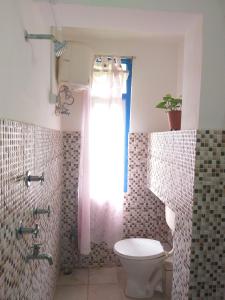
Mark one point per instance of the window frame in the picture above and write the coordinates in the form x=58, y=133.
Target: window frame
x=127, y=100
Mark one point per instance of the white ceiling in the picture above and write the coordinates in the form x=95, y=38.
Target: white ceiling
x=99, y=22
x=168, y=5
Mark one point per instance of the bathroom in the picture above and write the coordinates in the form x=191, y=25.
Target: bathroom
x=174, y=47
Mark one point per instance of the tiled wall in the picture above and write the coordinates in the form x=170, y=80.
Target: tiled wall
x=71, y=156
x=27, y=147
x=171, y=165
x=187, y=172
x=143, y=211
x=207, y=270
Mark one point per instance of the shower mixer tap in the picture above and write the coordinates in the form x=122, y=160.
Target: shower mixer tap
x=27, y=230
x=39, y=211
x=29, y=178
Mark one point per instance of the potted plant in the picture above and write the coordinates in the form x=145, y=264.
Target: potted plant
x=173, y=107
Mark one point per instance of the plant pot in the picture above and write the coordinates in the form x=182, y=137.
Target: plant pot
x=174, y=118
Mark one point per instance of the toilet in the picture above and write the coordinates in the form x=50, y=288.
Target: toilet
x=143, y=261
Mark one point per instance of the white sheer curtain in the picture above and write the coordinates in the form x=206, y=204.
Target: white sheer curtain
x=102, y=157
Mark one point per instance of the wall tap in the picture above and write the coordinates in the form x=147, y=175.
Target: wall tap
x=28, y=178
x=39, y=211
x=27, y=230
x=36, y=255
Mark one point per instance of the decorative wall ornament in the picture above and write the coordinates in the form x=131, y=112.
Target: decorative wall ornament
x=64, y=99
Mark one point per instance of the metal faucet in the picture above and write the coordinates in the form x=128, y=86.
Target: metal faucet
x=37, y=255
x=27, y=230
x=39, y=211
x=29, y=178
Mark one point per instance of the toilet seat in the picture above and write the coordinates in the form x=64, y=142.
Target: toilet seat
x=139, y=248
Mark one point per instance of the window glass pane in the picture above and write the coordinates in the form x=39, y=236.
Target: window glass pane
x=124, y=67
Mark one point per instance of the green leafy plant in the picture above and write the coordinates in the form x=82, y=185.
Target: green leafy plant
x=169, y=103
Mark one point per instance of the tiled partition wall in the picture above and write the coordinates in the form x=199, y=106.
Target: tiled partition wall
x=171, y=167
x=143, y=211
x=187, y=172
x=207, y=269
x=26, y=147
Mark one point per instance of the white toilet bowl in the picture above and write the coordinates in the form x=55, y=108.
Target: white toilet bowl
x=142, y=260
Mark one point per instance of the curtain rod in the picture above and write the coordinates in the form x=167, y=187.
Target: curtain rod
x=113, y=55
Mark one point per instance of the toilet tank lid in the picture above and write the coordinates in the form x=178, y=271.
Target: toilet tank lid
x=139, y=248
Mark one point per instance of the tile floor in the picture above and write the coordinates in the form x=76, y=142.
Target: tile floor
x=94, y=284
